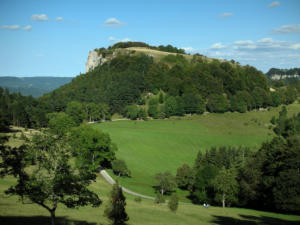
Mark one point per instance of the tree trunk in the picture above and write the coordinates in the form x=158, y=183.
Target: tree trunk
x=162, y=191
x=223, y=200
x=52, y=217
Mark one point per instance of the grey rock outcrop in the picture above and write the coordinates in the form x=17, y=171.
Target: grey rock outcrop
x=93, y=61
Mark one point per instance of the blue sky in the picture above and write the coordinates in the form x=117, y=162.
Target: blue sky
x=53, y=38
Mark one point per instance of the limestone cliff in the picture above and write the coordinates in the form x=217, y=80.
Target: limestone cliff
x=93, y=61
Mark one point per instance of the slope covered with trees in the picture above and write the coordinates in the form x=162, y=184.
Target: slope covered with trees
x=187, y=86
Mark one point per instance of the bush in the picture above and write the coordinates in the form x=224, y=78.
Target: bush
x=138, y=199
x=159, y=198
x=173, y=203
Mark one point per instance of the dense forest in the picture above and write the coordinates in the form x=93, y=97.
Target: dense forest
x=137, y=86
x=293, y=71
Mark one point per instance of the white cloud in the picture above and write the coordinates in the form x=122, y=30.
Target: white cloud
x=125, y=40
x=41, y=17
x=27, y=28
x=113, y=22
x=189, y=49
x=295, y=28
x=274, y=4
x=113, y=39
x=263, y=54
x=226, y=15
x=10, y=27
x=218, y=45
x=59, y=18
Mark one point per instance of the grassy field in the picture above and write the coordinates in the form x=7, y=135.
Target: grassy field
x=163, y=145
x=154, y=146
x=13, y=212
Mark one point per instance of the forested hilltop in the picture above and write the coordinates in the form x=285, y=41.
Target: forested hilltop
x=141, y=81
x=190, y=84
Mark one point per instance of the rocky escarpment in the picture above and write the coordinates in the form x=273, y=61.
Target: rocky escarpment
x=94, y=59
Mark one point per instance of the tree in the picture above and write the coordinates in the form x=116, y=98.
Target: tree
x=120, y=168
x=184, y=176
x=217, y=103
x=173, y=203
x=165, y=182
x=193, y=103
x=60, y=123
x=131, y=112
x=76, y=112
x=91, y=147
x=226, y=185
x=115, y=211
x=45, y=175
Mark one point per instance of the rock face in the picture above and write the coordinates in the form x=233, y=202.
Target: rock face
x=93, y=61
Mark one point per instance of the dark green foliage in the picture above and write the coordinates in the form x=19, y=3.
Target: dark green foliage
x=119, y=167
x=173, y=203
x=184, y=176
x=115, y=210
x=193, y=103
x=45, y=175
x=217, y=103
x=76, y=111
x=166, y=182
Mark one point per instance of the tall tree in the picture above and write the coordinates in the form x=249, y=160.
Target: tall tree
x=115, y=211
x=226, y=185
x=45, y=175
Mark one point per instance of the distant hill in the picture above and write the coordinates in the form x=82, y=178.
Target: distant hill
x=35, y=86
x=283, y=74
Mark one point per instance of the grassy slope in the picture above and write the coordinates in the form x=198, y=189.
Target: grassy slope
x=12, y=212
x=163, y=145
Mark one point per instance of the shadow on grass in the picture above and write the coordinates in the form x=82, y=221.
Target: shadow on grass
x=40, y=220
x=252, y=220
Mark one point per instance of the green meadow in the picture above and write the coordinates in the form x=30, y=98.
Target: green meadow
x=149, y=147
x=13, y=212
x=154, y=146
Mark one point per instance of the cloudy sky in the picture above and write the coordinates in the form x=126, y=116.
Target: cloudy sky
x=53, y=38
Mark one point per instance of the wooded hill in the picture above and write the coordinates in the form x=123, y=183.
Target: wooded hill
x=126, y=79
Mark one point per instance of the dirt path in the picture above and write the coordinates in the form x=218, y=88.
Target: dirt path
x=109, y=179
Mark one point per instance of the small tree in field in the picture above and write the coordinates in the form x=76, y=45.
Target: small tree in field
x=119, y=167
x=115, y=211
x=45, y=175
x=173, y=203
x=166, y=182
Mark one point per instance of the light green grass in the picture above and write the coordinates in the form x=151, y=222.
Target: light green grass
x=13, y=212
x=149, y=147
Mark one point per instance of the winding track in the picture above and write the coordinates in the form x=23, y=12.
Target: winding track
x=109, y=179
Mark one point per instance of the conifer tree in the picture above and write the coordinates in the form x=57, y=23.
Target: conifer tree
x=115, y=211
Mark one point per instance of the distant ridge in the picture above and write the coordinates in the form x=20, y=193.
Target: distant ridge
x=35, y=86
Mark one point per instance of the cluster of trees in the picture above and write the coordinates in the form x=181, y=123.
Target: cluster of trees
x=167, y=48
x=28, y=112
x=267, y=179
x=292, y=71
